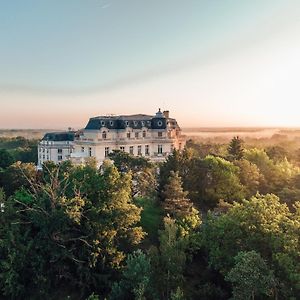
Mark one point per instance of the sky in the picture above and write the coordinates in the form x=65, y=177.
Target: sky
x=210, y=62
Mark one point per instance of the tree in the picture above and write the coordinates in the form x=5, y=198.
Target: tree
x=250, y=276
x=275, y=176
x=18, y=175
x=177, y=205
x=261, y=224
x=125, y=162
x=168, y=262
x=143, y=172
x=221, y=181
x=277, y=153
x=235, y=148
x=173, y=189
x=135, y=282
x=6, y=159
x=172, y=163
x=249, y=176
x=71, y=232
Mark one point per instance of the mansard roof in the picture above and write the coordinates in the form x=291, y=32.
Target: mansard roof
x=59, y=136
x=136, y=121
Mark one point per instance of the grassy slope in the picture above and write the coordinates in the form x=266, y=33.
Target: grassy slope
x=151, y=217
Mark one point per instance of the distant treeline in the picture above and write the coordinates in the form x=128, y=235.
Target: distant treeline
x=17, y=149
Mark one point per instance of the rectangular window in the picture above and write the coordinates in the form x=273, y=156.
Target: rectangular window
x=131, y=150
x=90, y=151
x=139, y=150
x=146, y=149
x=122, y=148
x=106, y=151
x=144, y=134
x=136, y=135
x=159, y=134
x=59, y=157
x=128, y=135
x=59, y=150
x=159, y=149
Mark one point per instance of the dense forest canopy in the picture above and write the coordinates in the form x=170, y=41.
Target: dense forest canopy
x=220, y=220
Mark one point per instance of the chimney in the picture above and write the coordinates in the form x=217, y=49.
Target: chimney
x=166, y=114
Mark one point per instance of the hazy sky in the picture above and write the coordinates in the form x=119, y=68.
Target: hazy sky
x=211, y=63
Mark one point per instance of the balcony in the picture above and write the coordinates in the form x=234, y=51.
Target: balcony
x=163, y=154
x=79, y=155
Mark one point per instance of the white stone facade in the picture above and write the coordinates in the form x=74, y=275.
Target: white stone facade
x=153, y=137
x=56, y=147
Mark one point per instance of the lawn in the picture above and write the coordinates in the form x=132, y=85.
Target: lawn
x=151, y=217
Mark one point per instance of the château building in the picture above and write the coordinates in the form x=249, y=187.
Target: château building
x=153, y=137
x=56, y=147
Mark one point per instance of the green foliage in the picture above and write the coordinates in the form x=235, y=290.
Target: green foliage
x=168, y=262
x=249, y=176
x=206, y=180
x=277, y=153
x=178, y=206
x=236, y=148
x=135, y=283
x=6, y=159
x=93, y=297
x=221, y=182
x=20, y=149
x=275, y=176
x=178, y=294
x=68, y=229
x=250, y=276
x=151, y=217
x=262, y=224
x=173, y=189
x=142, y=170
x=125, y=161
x=18, y=175
x=71, y=233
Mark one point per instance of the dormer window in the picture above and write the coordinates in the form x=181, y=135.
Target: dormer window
x=149, y=123
x=159, y=123
x=135, y=123
x=102, y=123
x=104, y=135
x=127, y=123
x=143, y=123
x=111, y=123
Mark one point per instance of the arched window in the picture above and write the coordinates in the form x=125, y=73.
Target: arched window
x=104, y=135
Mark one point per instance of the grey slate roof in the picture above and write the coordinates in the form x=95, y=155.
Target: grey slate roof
x=121, y=122
x=59, y=136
